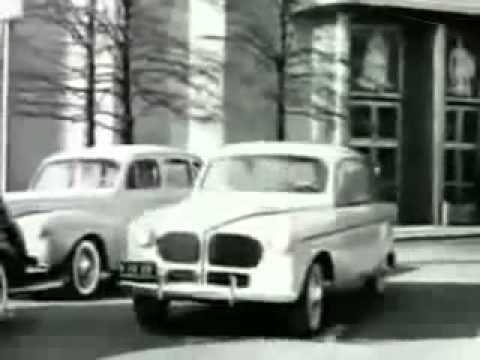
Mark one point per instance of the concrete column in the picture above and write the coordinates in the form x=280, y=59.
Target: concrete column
x=438, y=100
x=207, y=31
x=318, y=100
x=330, y=81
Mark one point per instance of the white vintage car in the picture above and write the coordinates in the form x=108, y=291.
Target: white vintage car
x=75, y=213
x=266, y=222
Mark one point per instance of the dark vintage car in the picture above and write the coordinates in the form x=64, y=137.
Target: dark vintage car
x=13, y=258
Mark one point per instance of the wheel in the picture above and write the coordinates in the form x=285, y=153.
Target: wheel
x=305, y=316
x=151, y=313
x=4, y=310
x=85, y=269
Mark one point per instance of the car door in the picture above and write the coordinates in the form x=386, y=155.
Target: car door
x=356, y=217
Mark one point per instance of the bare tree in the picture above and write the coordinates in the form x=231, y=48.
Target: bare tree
x=130, y=55
x=275, y=43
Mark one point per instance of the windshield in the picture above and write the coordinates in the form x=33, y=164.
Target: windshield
x=76, y=174
x=265, y=173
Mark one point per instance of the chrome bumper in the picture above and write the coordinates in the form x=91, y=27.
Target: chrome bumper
x=200, y=292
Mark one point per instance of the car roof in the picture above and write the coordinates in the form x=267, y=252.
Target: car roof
x=326, y=152
x=120, y=153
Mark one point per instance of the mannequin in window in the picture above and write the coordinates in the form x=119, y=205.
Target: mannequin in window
x=375, y=65
x=461, y=70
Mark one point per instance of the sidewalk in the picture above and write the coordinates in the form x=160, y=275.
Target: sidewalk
x=421, y=232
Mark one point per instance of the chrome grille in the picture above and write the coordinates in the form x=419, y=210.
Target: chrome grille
x=234, y=250
x=179, y=247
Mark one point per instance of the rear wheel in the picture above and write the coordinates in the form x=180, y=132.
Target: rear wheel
x=85, y=269
x=305, y=316
x=151, y=313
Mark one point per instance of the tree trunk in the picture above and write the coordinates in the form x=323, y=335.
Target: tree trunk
x=127, y=136
x=90, y=100
x=281, y=65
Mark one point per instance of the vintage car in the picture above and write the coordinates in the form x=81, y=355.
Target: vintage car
x=266, y=222
x=13, y=259
x=76, y=210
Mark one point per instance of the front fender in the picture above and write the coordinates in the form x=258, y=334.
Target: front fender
x=64, y=229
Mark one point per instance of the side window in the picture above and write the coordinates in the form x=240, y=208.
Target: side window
x=353, y=183
x=177, y=174
x=144, y=174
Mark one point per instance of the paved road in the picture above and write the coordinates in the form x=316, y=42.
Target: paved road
x=431, y=309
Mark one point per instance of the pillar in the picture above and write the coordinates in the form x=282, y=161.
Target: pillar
x=320, y=113
x=207, y=31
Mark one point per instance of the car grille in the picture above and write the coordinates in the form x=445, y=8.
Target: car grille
x=181, y=276
x=179, y=247
x=234, y=251
x=224, y=279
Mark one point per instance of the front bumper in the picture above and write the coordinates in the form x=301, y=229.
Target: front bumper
x=270, y=282
x=200, y=292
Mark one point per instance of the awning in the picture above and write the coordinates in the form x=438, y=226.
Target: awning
x=470, y=7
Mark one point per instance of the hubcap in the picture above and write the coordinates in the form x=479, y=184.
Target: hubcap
x=86, y=268
x=315, y=297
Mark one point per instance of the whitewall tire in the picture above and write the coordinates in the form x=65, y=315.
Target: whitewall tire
x=85, y=269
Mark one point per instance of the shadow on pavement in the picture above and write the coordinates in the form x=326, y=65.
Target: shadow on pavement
x=413, y=311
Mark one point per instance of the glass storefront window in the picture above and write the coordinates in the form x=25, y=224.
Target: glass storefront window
x=387, y=122
x=451, y=126
x=469, y=164
x=361, y=121
x=375, y=53
x=470, y=127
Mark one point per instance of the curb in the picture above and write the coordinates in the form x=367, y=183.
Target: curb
x=437, y=237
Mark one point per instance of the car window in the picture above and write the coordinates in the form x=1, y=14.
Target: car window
x=177, y=173
x=353, y=183
x=266, y=173
x=144, y=174
x=77, y=174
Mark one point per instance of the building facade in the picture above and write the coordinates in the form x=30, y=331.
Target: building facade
x=397, y=80
x=407, y=95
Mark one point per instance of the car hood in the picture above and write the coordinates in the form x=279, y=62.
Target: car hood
x=35, y=202
x=207, y=210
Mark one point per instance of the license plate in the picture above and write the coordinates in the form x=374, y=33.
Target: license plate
x=140, y=270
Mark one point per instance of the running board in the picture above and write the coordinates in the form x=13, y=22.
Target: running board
x=44, y=286
x=49, y=285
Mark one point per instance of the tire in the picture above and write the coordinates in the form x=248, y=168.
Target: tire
x=85, y=270
x=375, y=285
x=305, y=316
x=4, y=310
x=151, y=313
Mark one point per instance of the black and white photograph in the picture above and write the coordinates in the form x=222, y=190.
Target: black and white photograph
x=239, y=179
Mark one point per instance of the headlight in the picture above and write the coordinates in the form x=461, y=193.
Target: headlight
x=142, y=234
